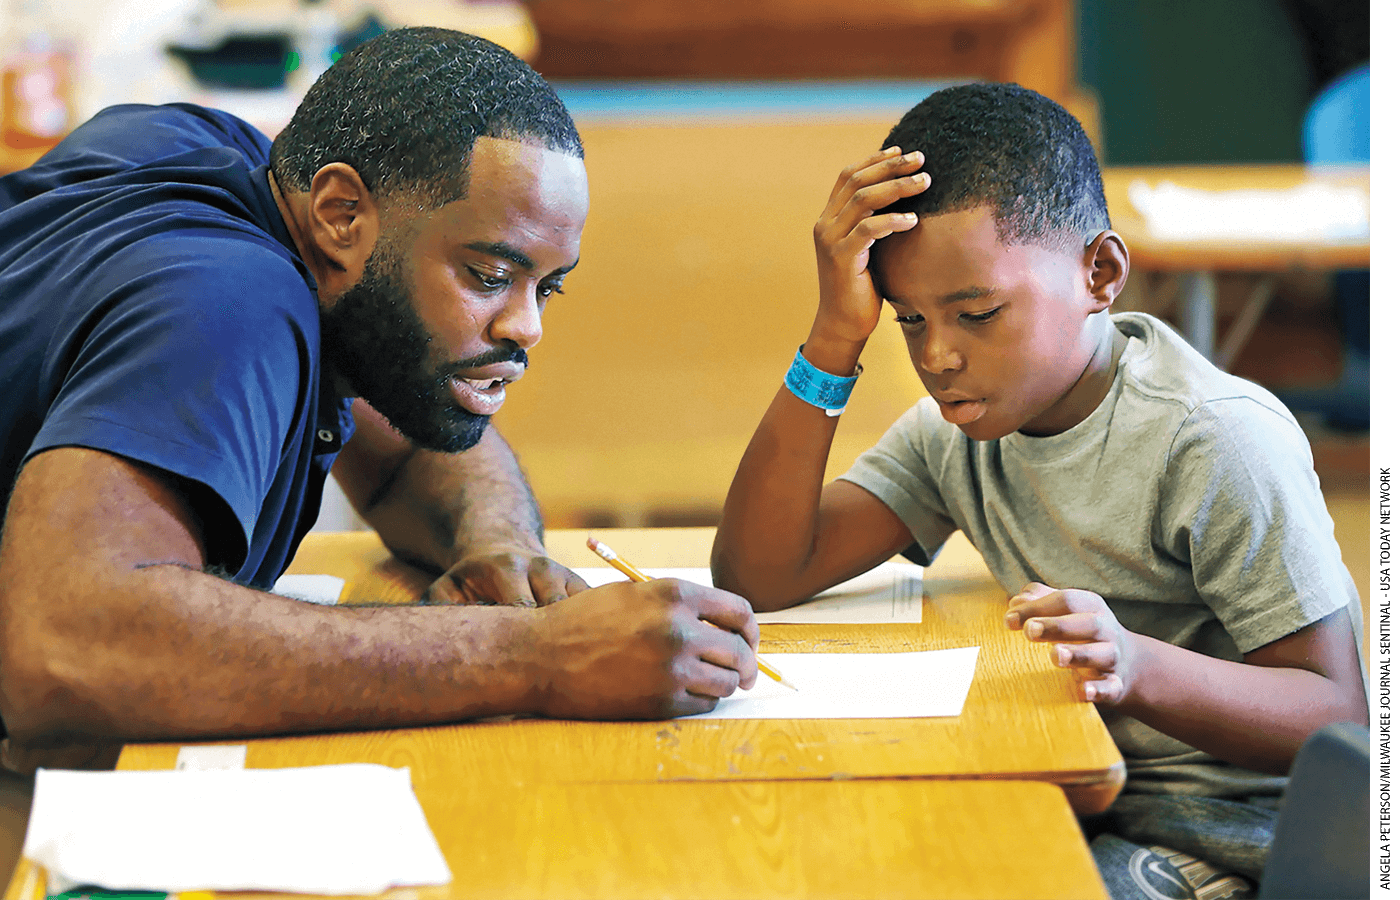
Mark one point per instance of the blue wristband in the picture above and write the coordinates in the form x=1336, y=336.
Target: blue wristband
x=822, y=390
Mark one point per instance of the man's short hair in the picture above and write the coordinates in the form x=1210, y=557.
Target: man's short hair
x=404, y=109
x=1003, y=146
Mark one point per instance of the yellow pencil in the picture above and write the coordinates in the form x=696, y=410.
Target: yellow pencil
x=635, y=574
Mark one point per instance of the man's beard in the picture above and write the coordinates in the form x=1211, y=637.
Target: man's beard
x=377, y=342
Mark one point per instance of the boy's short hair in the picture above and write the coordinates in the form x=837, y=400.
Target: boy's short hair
x=404, y=109
x=1003, y=146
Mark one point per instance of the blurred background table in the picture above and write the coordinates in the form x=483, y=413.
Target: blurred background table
x=1194, y=262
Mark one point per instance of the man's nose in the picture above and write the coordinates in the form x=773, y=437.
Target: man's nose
x=519, y=319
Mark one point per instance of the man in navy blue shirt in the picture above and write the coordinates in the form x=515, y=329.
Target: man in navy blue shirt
x=194, y=326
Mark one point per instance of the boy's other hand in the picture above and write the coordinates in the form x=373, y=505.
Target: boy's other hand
x=849, y=308
x=1085, y=634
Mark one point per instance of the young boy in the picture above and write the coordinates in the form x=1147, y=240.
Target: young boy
x=1156, y=521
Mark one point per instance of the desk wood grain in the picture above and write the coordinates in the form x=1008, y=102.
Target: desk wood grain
x=745, y=808
x=1021, y=719
x=813, y=839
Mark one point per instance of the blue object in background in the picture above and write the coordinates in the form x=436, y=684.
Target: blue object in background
x=1337, y=131
x=1337, y=127
x=805, y=99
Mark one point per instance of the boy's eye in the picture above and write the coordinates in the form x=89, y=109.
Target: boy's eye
x=979, y=318
x=549, y=290
x=911, y=319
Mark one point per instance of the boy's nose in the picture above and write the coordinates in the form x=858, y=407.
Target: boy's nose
x=940, y=356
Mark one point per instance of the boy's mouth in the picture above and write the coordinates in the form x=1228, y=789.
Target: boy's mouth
x=961, y=412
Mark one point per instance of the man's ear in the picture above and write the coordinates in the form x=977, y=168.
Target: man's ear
x=344, y=218
x=1105, y=268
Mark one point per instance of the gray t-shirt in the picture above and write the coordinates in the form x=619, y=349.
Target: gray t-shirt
x=1187, y=500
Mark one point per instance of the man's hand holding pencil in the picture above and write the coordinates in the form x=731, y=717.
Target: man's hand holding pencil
x=637, y=575
x=657, y=649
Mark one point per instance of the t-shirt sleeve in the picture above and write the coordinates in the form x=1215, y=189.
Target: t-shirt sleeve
x=899, y=471
x=1242, y=504
x=196, y=363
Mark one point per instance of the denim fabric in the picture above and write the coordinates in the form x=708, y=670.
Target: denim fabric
x=1230, y=836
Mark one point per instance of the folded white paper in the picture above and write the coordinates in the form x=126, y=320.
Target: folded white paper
x=351, y=829
x=857, y=686
x=892, y=592
x=1309, y=212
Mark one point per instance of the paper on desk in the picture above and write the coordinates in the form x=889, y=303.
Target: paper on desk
x=889, y=593
x=857, y=686
x=351, y=829
x=1306, y=212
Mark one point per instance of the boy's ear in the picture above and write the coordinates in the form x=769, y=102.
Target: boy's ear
x=343, y=219
x=1106, y=268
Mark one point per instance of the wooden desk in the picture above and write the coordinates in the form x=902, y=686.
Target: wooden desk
x=882, y=839
x=1021, y=719
x=744, y=808
x=1195, y=261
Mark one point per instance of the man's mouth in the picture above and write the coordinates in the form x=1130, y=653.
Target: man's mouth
x=482, y=391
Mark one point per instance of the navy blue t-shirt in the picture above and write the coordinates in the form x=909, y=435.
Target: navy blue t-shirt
x=152, y=305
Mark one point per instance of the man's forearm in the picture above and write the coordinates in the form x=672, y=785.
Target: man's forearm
x=439, y=507
x=180, y=654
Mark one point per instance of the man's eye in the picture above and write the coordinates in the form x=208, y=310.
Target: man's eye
x=488, y=281
x=549, y=290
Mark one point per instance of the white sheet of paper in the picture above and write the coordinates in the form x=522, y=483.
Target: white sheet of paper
x=857, y=686
x=350, y=829
x=892, y=592
x=322, y=589
x=1306, y=212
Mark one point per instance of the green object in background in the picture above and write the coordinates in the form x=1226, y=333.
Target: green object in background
x=1195, y=81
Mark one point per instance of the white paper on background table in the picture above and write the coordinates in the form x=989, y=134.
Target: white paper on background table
x=348, y=829
x=857, y=686
x=1309, y=212
x=889, y=593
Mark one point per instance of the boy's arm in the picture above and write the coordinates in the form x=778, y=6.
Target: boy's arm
x=469, y=515
x=1254, y=713
x=781, y=537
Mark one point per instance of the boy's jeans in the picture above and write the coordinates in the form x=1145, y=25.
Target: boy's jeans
x=1154, y=847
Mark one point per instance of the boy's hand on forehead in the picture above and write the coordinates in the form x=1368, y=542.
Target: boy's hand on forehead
x=849, y=226
x=1086, y=637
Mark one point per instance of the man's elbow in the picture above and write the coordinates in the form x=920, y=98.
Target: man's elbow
x=42, y=704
